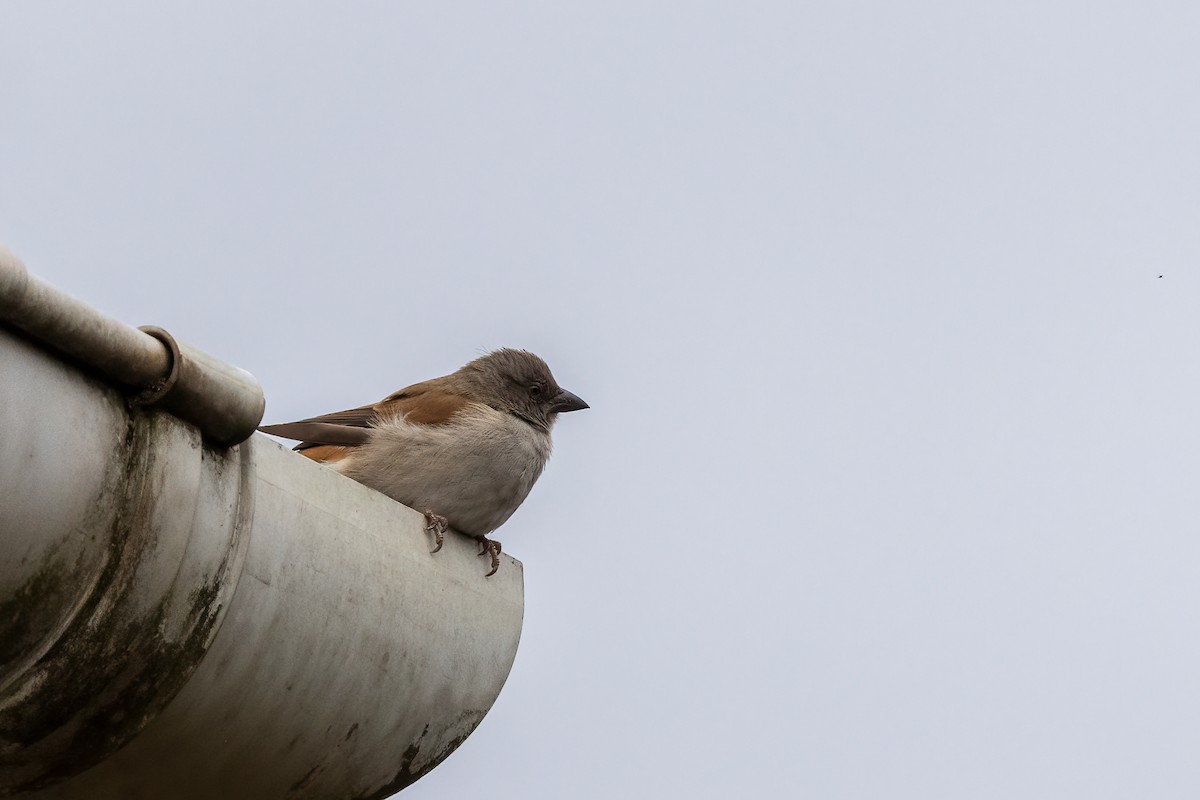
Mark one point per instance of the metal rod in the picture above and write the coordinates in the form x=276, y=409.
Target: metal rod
x=223, y=401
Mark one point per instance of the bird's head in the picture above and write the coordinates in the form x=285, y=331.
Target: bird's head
x=520, y=383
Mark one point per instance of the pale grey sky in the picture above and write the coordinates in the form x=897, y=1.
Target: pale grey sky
x=888, y=488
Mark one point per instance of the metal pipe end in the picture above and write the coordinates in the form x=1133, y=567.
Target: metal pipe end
x=14, y=279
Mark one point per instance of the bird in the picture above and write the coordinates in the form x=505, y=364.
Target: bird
x=463, y=449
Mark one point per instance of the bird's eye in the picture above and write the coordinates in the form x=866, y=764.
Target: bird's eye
x=535, y=391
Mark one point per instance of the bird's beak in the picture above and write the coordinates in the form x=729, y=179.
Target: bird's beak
x=565, y=401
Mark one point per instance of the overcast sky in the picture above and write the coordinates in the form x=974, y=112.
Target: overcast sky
x=887, y=314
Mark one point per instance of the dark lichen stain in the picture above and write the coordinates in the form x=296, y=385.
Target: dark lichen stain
x=111, y=670
x=131, y=427
x=32, y=610
x=298, y=788
x=406, y=775
x=306, y=781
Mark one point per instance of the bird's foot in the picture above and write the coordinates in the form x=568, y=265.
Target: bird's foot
x=437, y=525
x=490, y=547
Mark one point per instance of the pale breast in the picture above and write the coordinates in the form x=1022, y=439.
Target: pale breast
x=475, y=470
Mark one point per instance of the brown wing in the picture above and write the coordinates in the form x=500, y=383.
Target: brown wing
x=427, y=403
x=347, y=428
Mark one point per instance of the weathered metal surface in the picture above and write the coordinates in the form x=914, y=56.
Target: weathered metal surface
x=186, y=621
x=112, y=348
x=224, y=402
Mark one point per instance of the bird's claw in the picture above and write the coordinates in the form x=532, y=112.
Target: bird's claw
x=490, y=547
x=437, y=525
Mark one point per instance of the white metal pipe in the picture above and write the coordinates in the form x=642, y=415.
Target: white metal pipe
x=184, y=620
